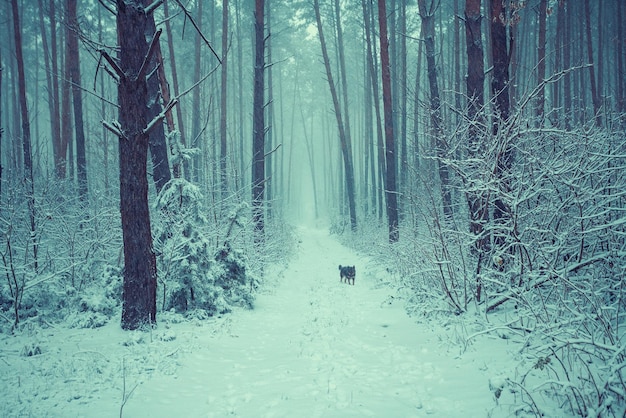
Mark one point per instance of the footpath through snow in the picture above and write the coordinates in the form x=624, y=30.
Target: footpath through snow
x=312, y=347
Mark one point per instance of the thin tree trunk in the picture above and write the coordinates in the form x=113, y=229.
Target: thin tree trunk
x=390, y=157
x=619, y=57
x=441, y=148
x=157, y=143
x=404, y=165
x=197, y=142
x=475, y=81
x=344, y=140
x=66, y=117
x=500, y=94
x=224, y=103
x=26, y=141
x=382, y=170
x=179, y=112
x=541, y=60
x=54, y=106
x=258, y=124
x=77, y=98
x=567, y=79
x=595, y=98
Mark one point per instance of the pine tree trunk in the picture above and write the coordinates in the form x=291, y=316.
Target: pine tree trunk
x=346, y=150
x=77, y=98
x=390, y=157
x=26, y=140
x=176, y=169
x=500, y=95
x=157, y=143
x=595, y=98
x=541, y=61
x=258, y=124
x=427, y=16
x=139, y=289
x=475, y=81
x=224, y=103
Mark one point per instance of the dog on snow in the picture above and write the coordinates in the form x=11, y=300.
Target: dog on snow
x=347, y=273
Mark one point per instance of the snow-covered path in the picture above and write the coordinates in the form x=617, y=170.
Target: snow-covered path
x=318, y=348
x=312, y=347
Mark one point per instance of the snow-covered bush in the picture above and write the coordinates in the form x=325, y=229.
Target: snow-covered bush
x=193, y=274
x=560, y=268
x=74, y=245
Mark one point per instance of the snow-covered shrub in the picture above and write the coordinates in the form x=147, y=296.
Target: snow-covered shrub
x=193, y=275
x=183, y=252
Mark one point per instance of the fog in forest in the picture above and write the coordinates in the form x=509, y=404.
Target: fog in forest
x=162, y=161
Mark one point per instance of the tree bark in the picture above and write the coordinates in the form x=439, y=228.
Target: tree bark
x=258, y=124
x=595, y=98
x=139, y=289
x=390, y=158
x=541, y=61
x=157, y=143
x=26, y=140
x=176, y=169
x=500, y=94
x=224, y=103
x=346, y=147
x=475, y=81
x=373, y=82
x=77, y=98
x=441, y=147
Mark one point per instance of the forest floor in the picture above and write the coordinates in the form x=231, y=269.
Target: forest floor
x=312, y=347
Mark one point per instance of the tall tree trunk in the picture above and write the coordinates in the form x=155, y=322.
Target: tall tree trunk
x=224, y=103
x=157, y=143
x=595, y=98
x=26, y=141
x=177, y=171
x=1, y=127
x=475, y=81
x=54, y=121
x=441, y=147
x=344, y=77
x=346, y=148
x=197, y=142
x=567, y=61
x=404, y=158
x=54, y=105
x=500, y=94
x=541, y=60
x=390, y=158
x=140, y=276
x=77, y=98
x=66, y=117
x=373, y=82
x=258, y=124
x=620, y=51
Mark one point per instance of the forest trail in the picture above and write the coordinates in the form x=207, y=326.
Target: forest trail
x=312, y=347
x=315, y=347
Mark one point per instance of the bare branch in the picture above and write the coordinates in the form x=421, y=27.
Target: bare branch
x=148, y=57
x=272, y=151
x=114, y=128
x=118, y=70
x=149, y=9
x=107, y=7
x=195, y=25
x=158, y=118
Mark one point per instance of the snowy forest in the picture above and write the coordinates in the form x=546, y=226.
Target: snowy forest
x=161, y=162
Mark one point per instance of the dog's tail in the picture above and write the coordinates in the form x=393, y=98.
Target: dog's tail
x=339, y=266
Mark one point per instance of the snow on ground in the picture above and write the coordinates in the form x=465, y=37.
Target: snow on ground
x=311, y=347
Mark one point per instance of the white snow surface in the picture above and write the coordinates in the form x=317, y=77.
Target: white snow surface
x=312, y=347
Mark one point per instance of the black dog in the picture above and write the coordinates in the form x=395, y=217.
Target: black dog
x=348, y=273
